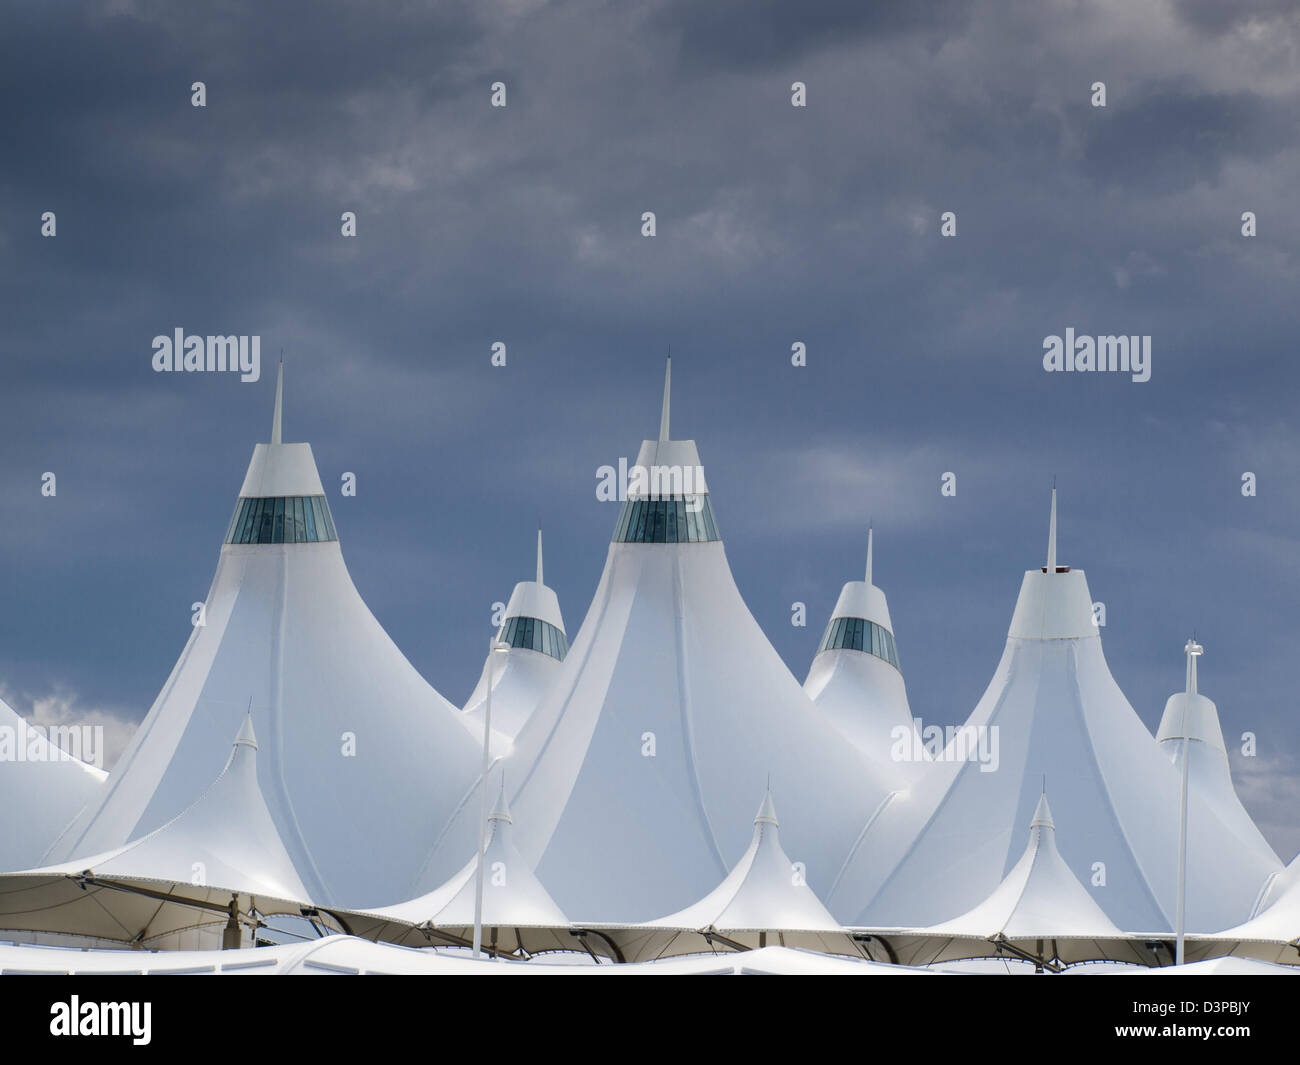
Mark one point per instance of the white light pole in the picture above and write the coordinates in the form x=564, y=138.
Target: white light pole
x=1193, y=649
x=495, y=648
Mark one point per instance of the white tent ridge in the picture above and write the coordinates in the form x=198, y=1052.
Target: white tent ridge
x=670, y=705
x=533, y=628
x=212, y=869
x=519, y=916
x=360, y=755
x=939, y=849
x=42, y=788
x=855, y=678
x=764, y=899
x=1039, y=913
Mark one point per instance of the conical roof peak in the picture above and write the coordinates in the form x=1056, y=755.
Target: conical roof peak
x=246, y=737
x=664, y=454
x=279, y=469
x=767, y=811
x=1042, y=815
x=501, y=811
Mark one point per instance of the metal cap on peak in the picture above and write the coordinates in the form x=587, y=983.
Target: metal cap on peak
x=246, y=738
x=1042, y=815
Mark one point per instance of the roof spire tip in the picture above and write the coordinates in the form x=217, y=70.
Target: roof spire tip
x=1051, y=533
x=1193, y=650
x=279, y=403
x=663, y=416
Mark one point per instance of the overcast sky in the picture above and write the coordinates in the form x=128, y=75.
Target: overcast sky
x=775, y=225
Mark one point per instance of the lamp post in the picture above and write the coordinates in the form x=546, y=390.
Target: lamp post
x=1192, y=650
x=495, y=647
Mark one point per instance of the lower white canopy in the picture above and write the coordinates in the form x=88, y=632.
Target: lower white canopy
x=198, y=881
x=72, y=909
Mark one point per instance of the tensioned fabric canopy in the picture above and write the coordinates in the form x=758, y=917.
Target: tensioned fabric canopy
x=763, y=900
x=1040, y=912
x=856, y=678
x=533, y=630
x=1052, y=712
x=519, y=919
x=219, y=865
x=670, y=709
x=360, y=755
x=42, y=788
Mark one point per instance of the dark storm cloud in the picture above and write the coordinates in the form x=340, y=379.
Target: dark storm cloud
x=749, y=34
x=775, y=224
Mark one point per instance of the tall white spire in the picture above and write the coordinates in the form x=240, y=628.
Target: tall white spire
x=663, y=418
x=1193, y=650
x=869, y=538
x=279, y=393
x=539, y=557
x=1051, y=536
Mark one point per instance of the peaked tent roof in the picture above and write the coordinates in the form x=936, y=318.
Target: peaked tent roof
x=670, y=699
x=178, y=879
x=352, y=736
x=41, y=789
x=765, y=890
x=533, y=628
x=519, y=915
x=1039, y=897
x=765, y=898
x=1052, y=709
x=1040, y=912
x=855, y=678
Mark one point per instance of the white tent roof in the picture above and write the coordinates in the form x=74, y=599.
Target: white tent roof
x=41, y=787
x=670, y=704
x=765, y=891
x=1040, y=911
x=512, y=894
x=1039, y=898
x=1055, y=712
x=526, y=672
x=228, y=838
x=359, y=754
x=765, y=898
x=862, y=692
x=150, y=889
x=1273, y=933
x=519, y=917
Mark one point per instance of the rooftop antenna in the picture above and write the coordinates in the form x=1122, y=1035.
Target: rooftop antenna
x=279, y=398
x=869, y=539
x=1051, y=533
x=539, y=556
x=663, y=417
x=1193, y=650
